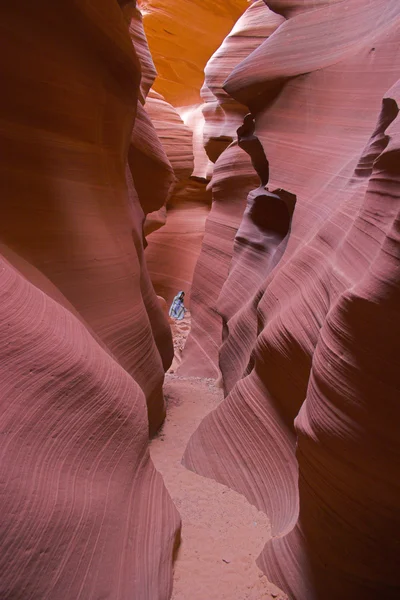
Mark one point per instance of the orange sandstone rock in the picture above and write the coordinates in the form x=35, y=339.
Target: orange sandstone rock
x=182, y=36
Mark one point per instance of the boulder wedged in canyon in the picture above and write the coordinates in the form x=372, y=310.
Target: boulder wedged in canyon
x=307, y=350
x=84, y=341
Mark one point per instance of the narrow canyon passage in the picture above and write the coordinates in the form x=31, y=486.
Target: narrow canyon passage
x=241, y=157
x=222, y=533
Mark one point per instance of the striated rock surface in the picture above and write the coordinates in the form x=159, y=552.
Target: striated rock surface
x=223, y=114
x=80, y=496
x=173, y=250
x=175, y=137
x=83, y=339
x=308, y=331
x=182, y=36
x=151, y=170
x=134, y=19
x=175, y=232
x=233, y=177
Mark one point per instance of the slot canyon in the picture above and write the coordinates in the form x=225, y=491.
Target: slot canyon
x=246, y=152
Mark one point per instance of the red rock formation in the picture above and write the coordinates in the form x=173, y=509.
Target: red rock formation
x=134, y=20
x=233, y=178
x=83, y=337
x=161, y=174
x=345, y=536
x=149, y=165
x=151, y=170
x=223, y=114
x=193, y=116
x=176, y=232
x=80, y=496
x=182, y=37
x=172, y=252
x=308, y=429
x=175, y=137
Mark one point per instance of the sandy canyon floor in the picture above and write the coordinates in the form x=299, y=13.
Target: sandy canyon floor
x=222, y=534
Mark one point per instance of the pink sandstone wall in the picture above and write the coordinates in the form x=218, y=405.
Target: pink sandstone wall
x=83, y=339
x=308, y=342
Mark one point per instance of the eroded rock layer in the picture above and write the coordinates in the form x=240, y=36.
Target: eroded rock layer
x=83, y=339
x=175, y=232
x=308, y=341
x=233, y=177
x=182, y=36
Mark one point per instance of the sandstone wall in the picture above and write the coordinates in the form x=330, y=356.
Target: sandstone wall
x=182, y=36
x=307, y=341
x=83, y=339
x=175, y=233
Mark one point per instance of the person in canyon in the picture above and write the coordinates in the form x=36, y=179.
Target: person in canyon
x=177, y=310
x=249, y=142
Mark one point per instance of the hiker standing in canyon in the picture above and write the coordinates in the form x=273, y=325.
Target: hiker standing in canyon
x=177, y=310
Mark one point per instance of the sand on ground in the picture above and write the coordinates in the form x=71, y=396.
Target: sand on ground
x=222, y=534
x=180, y=331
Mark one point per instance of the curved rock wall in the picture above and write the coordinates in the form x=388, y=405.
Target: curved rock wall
x=176, y=231
x=182, y=36
x=84, y=341
x=178, y=227
x=232, y=179
x=307, y=350
x=148, y=162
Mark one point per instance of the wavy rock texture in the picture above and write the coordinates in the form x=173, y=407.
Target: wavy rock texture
x=182, y=36
x=134, y=20
x=307, y=431
x=172, y=251
x=151, y=170
x=84, y=341
x=176, y=138
x=175, y=245
x=176, y=231
x=232, y=179
x=222, y=113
